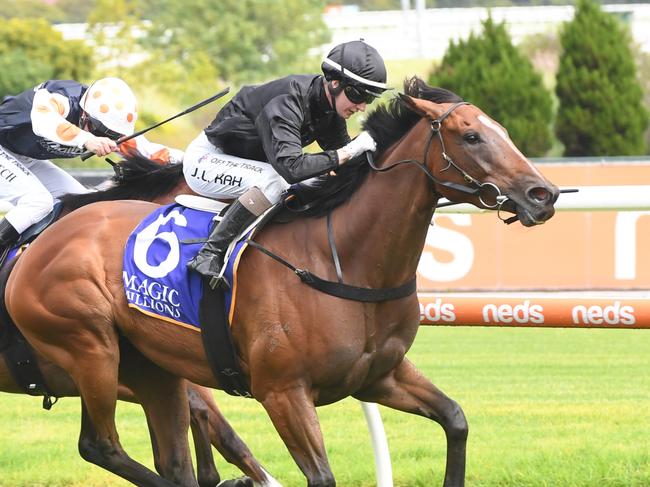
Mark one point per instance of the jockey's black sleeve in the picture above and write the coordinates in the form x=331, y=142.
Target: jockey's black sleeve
x=278, y=125
x=274, y=121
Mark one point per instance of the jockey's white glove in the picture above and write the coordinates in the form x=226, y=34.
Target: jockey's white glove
x=362, y=143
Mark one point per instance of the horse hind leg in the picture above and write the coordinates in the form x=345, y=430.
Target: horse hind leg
x=98, y=440
x=110, y=455
x=164, y=399
x=406, y=389
x=90, y=354
x=207, y=473
x=227, y=442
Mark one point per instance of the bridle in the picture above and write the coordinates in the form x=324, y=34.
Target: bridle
x=473, y=186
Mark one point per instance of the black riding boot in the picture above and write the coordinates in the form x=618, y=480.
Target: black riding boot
x=209, y=261
x=8, y=236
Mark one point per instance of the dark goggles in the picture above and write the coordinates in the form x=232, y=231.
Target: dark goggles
x=358, y=95
x=98, y=129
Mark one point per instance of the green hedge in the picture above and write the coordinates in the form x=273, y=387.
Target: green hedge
x=488, y=71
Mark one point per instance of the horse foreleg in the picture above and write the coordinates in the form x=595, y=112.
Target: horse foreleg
x=293, y=414
x=406, y=389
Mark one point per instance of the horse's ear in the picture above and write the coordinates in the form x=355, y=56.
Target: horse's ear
x=413, y=104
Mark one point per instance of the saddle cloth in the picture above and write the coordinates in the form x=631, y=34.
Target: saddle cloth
x=156, y=280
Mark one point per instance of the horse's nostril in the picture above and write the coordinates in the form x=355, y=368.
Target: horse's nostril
x=539, y=195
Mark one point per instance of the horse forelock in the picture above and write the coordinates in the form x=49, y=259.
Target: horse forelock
x=388, y=123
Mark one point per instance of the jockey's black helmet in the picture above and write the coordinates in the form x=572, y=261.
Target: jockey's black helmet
x=356, y=63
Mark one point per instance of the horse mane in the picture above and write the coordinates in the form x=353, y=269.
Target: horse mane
x=136, y=178
x=386, y=124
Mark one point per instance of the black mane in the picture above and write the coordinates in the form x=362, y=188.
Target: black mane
x=136, y=178
x=387, y=124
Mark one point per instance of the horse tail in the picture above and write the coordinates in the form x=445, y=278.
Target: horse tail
x=136, y=178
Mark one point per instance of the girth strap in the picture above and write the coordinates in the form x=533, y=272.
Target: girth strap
x=341, y=290
x=218, y=344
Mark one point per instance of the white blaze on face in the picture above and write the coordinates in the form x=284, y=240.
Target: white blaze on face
x=490, y=124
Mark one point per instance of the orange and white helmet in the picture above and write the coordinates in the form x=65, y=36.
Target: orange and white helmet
x=110, y=107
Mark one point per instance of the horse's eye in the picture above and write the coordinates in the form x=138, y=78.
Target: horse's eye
x=472, y=138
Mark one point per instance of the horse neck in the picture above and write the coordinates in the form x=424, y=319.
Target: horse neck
x=386, y=221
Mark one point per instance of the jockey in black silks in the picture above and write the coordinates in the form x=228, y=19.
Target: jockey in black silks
x=252, y=151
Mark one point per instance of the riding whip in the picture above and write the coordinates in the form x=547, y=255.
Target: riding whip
x=200, y=104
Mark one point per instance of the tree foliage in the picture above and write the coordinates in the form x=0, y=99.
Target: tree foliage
x=18, y=72
x=397, y=4
x=601, y=102
x=32, y=51
x=245, y=40
x=114, y=26
x=61, y=11
x=490, y=72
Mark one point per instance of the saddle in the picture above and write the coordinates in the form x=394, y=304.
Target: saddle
x=32, y=232
x=37, y=228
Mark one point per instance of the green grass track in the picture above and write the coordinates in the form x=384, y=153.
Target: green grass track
x=546, y=407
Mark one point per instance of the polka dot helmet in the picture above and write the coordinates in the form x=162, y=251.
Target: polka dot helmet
x=111, y=107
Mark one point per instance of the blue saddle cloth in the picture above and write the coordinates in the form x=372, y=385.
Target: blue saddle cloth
x=156, y=279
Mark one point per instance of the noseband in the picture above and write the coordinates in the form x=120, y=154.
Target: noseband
x=474, y=187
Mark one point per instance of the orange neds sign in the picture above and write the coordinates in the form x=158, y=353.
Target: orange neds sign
x=573, y=250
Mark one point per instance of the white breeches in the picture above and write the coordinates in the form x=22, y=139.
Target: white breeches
x=210, y=172
x=31, y=185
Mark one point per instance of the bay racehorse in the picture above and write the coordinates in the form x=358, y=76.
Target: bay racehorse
x=298, y=347
x=134, y=179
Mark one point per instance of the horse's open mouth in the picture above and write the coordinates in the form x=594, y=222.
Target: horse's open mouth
x=530, y=219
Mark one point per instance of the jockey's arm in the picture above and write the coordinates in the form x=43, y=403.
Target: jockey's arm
x=279, y=128
x=48, y=120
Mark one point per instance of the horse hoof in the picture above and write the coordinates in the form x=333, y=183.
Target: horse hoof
x=241, y=482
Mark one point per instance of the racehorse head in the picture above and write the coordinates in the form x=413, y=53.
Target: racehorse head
x=469, y=157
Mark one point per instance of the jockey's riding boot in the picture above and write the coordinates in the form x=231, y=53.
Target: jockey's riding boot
x=209, y=261
x=8, y=236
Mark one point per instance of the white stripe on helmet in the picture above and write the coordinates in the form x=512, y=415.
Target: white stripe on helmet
x=355, y=77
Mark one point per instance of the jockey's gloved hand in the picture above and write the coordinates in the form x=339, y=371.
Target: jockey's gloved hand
x=362, y=143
